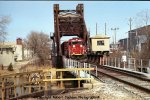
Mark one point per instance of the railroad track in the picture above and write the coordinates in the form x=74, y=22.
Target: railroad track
x=134, y=83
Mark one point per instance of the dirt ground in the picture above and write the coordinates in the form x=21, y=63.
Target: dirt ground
x=100, y=91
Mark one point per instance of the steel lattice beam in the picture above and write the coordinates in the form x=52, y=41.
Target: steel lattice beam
x=68, y=23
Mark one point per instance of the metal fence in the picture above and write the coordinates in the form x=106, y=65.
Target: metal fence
x=70, y=63
x=140, y=65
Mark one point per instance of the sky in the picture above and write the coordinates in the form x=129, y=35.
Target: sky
x=27, y=16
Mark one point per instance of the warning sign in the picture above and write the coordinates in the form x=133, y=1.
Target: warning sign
x=124, y=58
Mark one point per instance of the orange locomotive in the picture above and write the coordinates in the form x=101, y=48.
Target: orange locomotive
x=74, y=48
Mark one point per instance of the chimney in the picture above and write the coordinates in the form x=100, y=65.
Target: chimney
x=19, y=41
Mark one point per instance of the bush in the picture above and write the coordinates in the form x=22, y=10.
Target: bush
x=10, y=67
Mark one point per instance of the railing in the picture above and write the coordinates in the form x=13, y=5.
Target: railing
x=140, y=65
x=70, y=63
x=19, y=84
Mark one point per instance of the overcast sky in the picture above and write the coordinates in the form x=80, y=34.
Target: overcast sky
x=27, y=16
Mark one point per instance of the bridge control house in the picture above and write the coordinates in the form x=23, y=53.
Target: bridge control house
x=99, y=44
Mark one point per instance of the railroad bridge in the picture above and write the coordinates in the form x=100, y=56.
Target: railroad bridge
x=52, y=80
x=67, y=23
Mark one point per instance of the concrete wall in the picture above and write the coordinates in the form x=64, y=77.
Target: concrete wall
x=6, y=58
x=96, y=47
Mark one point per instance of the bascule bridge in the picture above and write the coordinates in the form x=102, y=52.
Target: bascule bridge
x=67, y=23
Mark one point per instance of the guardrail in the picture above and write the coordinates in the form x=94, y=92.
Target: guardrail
x=70, y=63
x=18, y=84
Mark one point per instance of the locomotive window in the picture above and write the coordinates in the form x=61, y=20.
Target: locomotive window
x=101, y=42
x=76, y=42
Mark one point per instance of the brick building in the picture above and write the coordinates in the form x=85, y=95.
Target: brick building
x=123, y=44
x=138, y=38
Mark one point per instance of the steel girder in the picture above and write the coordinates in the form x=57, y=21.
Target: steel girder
x=69, y=23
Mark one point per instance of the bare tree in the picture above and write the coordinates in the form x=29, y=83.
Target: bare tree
x=143, y=19
x=4, y=21
x=39, y=43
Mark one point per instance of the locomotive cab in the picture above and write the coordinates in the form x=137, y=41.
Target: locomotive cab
x=77, y=48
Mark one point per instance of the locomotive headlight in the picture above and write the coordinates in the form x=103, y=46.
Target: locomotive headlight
x=73, y=46
x=81, y=46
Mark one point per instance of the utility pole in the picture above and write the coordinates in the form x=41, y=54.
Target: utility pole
x=115, y=29
x=128, y=39
x=96, y=28
x=105, y=29
x=130, y=23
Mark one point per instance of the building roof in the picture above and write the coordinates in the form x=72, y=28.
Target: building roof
x=148, y=26
x=123, y=39
x=6, y=46
x=8, y=43
x=100, y=36
x=140, y=30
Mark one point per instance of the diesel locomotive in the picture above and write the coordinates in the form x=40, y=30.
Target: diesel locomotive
x=74, y=48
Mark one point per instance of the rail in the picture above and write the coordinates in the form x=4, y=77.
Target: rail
x=141, y=84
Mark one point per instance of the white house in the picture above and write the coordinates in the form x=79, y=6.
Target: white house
x=17, y=48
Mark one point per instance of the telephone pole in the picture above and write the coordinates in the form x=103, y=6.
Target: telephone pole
x=96, y=28
x=115, y=29
x=105, y=29
x=114, y=44
x=128, y=39
x=130, y=23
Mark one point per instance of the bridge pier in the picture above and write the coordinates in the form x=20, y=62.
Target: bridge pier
x=61, y=82
x=3, y=88
x=57, y=61
x=79, y=80
x=29, y=80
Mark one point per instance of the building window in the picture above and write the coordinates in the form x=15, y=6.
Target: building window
x=101, y=42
